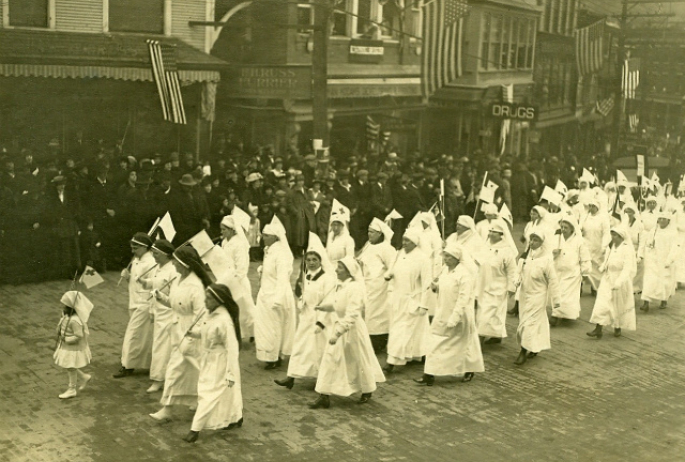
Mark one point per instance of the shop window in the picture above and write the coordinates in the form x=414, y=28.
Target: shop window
x=29, y=13
x=364, y=24
x=136, y=16
x=389, y=13
x=305, y=17
x=485, y=46
x=367, y=20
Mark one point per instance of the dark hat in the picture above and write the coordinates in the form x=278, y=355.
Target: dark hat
x=144, y=178
x=174, y=156
x=343, y=174
x=317, y=180
x=164, y=246
x=382, y=175
x=141, y=239
x=187, y=180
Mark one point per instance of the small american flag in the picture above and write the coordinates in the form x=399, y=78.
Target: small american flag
x=590, y=48
x=605, y=106
x=630, y=78
x=443, y=25
x=165, y=72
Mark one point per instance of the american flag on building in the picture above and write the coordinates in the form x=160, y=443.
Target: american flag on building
x=443, y=25
x=590, y=48
x=165, y=73
x=605, y=106
x=630, y=78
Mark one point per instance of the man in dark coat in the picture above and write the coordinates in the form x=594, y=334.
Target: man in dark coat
x=302, y=216
x=60, y=216
x=408, y=202
x=188, y=209
x=381, y=196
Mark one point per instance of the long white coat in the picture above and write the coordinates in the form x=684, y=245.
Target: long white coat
x=637, y=236
x=660, y=249
x=350, y=366
x=309, y=344
x=136, y=352
x=163, y=319
x=454, y=350
x=238, y=251
x=571, y=265
x=430, y=243
x=408, y=336
x=680, y=226
x=218, y=405
x=615, y=304
x=339, y=247
x=595, y=229
x=497, y=277
x=274, y=320
x=187, y=300
x=376, y=260
x=538, y=283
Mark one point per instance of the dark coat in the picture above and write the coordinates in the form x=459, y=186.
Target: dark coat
x=187, y=211
x=302, y=217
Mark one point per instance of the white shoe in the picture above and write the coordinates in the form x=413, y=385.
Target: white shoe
x=85, y=382
x=162, y=415
x=70, y=393
x=156, y=386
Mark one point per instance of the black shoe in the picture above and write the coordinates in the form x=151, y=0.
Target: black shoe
x=663, y=305
x=522, y=357
x=366, y=397
x=468, y=377
x=493, y=341
x=389, y=368
x=617, y=332
x=597, y=333
x=531, y=355
x=593, y=292
x=645, y=307
x=237, y=424
x=554, y=321
x=287, y=382
x=251, y=339
x=323, y=401
x=427, y=380
x=123, y=372
x=191, y=437
x=272, y=365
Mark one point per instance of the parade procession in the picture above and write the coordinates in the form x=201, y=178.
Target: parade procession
x=325, y=230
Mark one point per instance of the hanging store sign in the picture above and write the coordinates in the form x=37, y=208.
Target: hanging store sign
x=292, y=82
x=513, y=111
x=366, y=51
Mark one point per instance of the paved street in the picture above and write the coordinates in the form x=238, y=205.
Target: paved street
x=585, y=400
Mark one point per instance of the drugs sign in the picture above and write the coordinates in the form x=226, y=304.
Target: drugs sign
x=513, y=111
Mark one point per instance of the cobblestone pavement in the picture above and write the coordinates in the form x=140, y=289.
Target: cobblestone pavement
x=617, y=399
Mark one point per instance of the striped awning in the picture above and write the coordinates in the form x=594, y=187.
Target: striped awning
x=105, y=72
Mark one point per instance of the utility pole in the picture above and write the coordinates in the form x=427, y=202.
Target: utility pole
x=618, y=82
x=322, y=12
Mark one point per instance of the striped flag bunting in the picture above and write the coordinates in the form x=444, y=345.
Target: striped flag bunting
x=165, y=73
x=605, y=106
x=443, y=26
x=590, y=48
x=633, y=122
x=630, y=78
x=373, y=128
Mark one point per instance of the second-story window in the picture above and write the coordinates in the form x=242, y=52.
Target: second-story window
x=28, y=13
x=144, y=16
x=507, y=42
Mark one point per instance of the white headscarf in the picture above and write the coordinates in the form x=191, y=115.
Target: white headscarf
x=381, y=227
x=276, y=228
x=316, y=246
x=79, y=302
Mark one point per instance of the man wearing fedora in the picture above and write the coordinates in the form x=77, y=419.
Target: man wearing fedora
x=188, y=209
x=60, y=217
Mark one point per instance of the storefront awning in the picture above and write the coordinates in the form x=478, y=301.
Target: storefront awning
x=54, y=54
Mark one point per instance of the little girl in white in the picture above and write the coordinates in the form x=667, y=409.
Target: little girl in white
x=73, y=352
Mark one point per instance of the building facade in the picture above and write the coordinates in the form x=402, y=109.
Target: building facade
x=373, y=74
x=76, y=71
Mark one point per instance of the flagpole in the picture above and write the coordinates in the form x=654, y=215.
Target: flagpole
x=442, y=206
